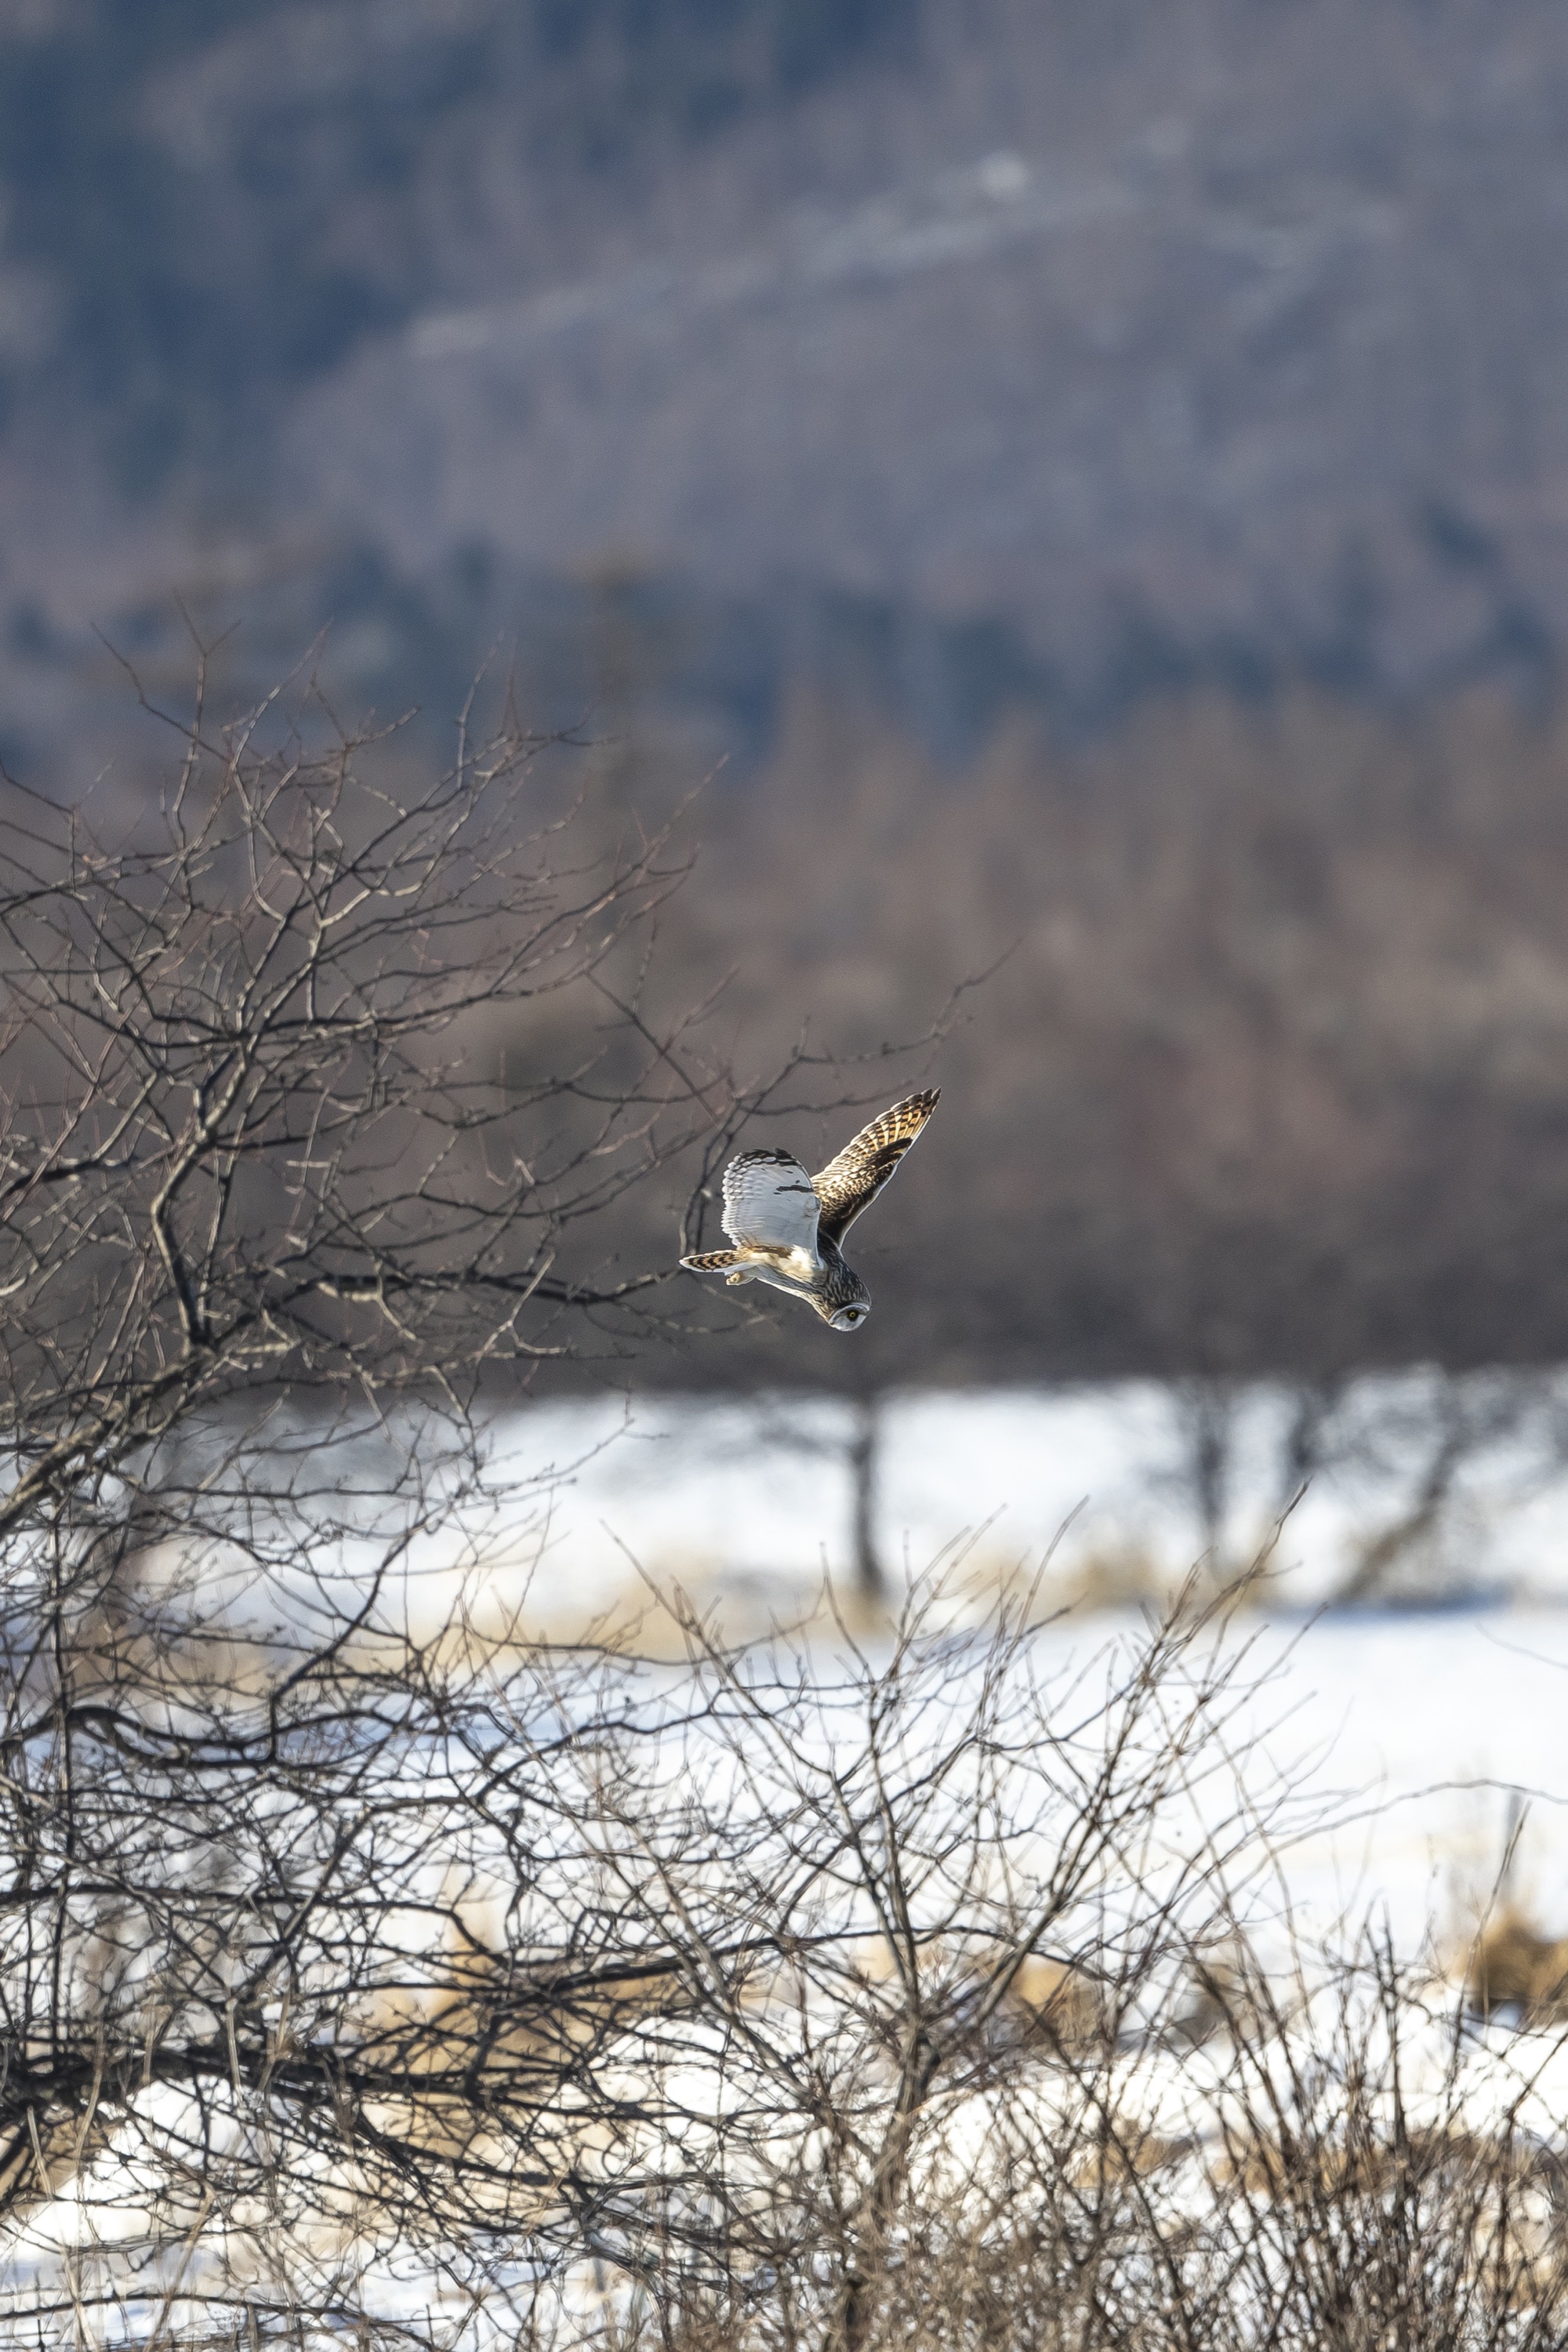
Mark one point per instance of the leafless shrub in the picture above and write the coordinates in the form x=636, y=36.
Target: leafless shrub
x=275, y=1220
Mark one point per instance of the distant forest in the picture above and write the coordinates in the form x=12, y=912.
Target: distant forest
x=1271, y=1076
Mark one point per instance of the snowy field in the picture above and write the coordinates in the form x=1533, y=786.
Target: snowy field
x=1402, y=1547
x=1461, y=1484
x=1397, y=1752
x=1428, y=1731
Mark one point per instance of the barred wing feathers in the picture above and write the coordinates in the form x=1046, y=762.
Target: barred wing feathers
x=770, y=1202
x=851, y=1181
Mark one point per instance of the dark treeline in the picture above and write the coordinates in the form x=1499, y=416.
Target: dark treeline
x=1250, y=1019
x=1272, y=1072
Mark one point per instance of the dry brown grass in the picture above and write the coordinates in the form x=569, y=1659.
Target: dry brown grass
x=1514, y=1967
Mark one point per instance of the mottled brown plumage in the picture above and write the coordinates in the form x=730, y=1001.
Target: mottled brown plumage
x=850, y=1182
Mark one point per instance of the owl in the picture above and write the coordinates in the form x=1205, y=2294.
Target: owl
x=786, y=1225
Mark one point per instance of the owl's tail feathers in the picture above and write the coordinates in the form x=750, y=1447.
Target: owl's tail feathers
x=712, y=1261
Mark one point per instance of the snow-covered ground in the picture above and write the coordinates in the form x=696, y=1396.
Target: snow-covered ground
x=1399, y=1753
x=1463, y=1484
x=1428, y=1732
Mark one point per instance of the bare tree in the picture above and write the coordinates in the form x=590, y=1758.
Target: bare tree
x=369, y=1971
x=273, y=1213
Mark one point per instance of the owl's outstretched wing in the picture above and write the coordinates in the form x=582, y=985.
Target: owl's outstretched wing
x=851, y=1181
x=770, y=1202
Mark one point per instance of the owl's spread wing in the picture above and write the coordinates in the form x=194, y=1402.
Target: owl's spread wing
x=852, y=1182
x=770, y=1202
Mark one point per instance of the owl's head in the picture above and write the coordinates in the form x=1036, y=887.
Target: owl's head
x=848, y=1318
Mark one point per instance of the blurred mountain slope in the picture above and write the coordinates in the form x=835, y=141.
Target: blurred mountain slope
x=1208, y=339
x=207, y=206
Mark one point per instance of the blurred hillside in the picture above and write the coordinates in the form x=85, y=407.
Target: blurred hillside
x=1050, y=353
x=1096, y=473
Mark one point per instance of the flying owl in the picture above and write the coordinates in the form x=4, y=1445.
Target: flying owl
x=786, y=1225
